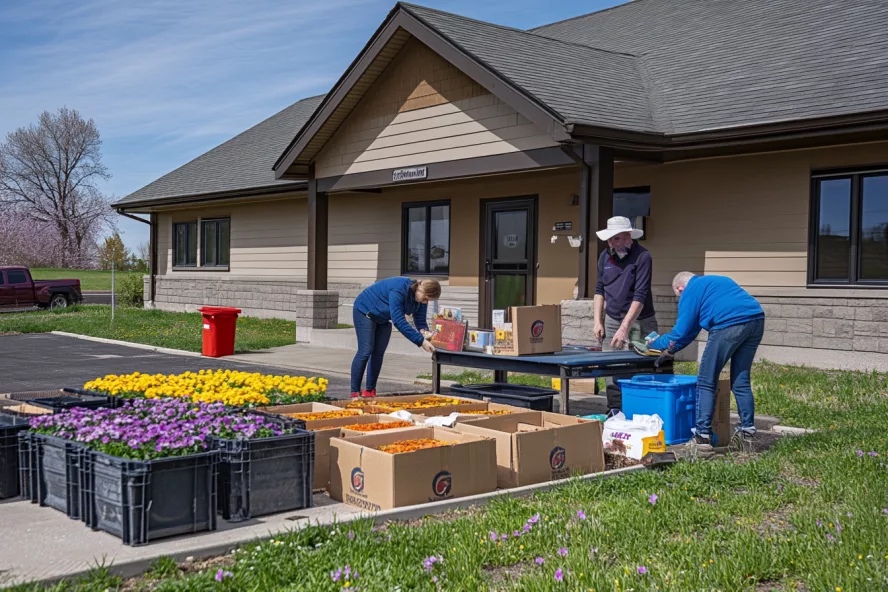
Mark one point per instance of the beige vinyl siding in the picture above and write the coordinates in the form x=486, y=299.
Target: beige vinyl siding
x=424, y=110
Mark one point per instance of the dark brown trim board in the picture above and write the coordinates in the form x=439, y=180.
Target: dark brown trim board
x=318, y=248
x=134, y=206
x=439, y=171
x=152, y=257
x=401, y=19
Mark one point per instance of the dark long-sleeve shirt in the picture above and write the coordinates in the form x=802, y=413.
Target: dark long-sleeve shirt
x=390, y=300
x=624, y=281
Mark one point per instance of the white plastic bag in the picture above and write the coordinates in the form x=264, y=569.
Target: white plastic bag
x=443, y=421
x=634, y=437
x=403, y=416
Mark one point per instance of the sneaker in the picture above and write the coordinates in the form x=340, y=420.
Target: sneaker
x=700, y=446
x=355, y=395
x=369, y=394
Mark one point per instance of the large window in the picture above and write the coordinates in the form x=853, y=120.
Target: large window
x=426, y=239
x=214, y=243
x=633, y=203
x=849, y=228
x=185, y=244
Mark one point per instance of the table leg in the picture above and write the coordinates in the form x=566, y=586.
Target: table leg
x=500, y=376
x=564, y=395
x=436, y=375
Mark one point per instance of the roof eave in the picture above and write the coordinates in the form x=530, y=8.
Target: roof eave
x=260, y=191
x=401, y=18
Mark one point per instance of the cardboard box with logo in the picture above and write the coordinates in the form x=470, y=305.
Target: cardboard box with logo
x=325, y=430
x=531, y=330
x=534, y=447
x=363, y=476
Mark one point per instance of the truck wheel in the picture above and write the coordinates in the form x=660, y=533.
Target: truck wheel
x=58, y=301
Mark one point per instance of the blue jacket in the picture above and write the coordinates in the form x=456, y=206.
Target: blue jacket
x=710, y=302
x=390, y=300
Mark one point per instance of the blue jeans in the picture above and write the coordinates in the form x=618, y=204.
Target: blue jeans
x=373, y=339
x=737, y=344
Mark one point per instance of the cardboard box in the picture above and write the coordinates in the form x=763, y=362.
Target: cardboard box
x=347, y=433
x=325, y=430
x=535, y=447
x=535, y=330
x=378, y=405
x=449, y=335
x=721, y=417
x=299, y=408
x=368, y=478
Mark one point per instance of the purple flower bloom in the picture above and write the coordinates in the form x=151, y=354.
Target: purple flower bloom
x=830, y=538
x=533, y=519
x=435, y=579
x=351, y=535
x=859, y=453
x=653, y=498
x=516, y=533
x=562, y=551
x=874, y=454
x=429, y=562
x=581, y=515
x=819, y=523
x=336, y=575
x=222, y=574
x=642, y=569
x=559, y=575
x=526, y=528
x=504, y=536
x=838, y=527
x=492, y=536
x=540, y=560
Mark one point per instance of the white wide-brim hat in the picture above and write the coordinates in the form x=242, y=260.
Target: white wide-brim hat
x=616, y=225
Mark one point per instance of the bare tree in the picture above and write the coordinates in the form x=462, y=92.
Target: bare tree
x=142, y=251
x=49, y=173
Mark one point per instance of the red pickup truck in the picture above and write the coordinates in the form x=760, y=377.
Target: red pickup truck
x=18, y=290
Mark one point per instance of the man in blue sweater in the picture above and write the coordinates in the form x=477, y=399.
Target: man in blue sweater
x=735, y=322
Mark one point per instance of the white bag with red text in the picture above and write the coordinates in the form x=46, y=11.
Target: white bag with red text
x=634, y=437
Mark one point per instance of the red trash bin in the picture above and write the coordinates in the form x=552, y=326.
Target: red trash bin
x=219, y=323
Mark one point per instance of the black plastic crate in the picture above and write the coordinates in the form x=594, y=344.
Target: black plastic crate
x=62, y=400
x=518, y=395
x=141, y=501
x=56, y=463
x=265, y=475
x=10, y=427
x=27, y=467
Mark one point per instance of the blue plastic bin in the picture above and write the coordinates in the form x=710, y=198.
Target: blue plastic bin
x=673, y=398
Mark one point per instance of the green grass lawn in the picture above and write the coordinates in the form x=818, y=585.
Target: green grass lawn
x=176, y=330
x=90, y=279
x=810, y=514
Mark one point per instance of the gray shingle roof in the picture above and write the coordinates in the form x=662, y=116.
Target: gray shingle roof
x=726, y=63
x=580, y=83
x=243, y=162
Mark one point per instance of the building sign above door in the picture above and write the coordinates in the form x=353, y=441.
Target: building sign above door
x=410, y=174
x=559, y=226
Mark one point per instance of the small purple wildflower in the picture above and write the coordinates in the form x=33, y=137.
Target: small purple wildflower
x=336, y=575
x=830, y=538
x=492, y=536
x=653, y=498
x=581, y=515
x=533, y=519
x=559, y=575
x=838, y=527
x=885, y=511
x=348, y=571
x=540, y=560
x=351, y=535
x=562, y=551
x=526, y=528
x=517, y=533
x=859, y=453
x=819, y=523
x=222, y=574
x=642, y=569
x=874, y=454
x=429, y=562
x=434, y=579
x=504, y=537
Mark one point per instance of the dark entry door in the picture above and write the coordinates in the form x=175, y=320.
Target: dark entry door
x=509, y=231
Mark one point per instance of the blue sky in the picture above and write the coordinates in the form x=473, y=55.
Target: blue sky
x=166, y=80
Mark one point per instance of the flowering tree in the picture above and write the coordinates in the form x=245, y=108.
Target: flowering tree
x=30, y=242
x=48, y=175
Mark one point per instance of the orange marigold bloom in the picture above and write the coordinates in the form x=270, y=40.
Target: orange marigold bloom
x=324, y=414
x=375, y=427
x=412, y=445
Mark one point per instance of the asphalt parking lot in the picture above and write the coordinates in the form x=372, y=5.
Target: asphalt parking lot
x=35, y=362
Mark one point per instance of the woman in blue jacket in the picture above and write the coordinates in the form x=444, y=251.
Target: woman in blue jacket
x=376, y=308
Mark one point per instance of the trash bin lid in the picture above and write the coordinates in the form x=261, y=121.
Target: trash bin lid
x=218, y=310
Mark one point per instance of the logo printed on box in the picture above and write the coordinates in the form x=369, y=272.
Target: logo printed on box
x=536, y=332
x=442, y=483
x=557, y=458
x=357, y=479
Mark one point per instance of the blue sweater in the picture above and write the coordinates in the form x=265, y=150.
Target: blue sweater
x=390, y=300
x=710, y=302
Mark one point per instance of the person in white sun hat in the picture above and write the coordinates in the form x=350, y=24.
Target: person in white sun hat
x=622, y=295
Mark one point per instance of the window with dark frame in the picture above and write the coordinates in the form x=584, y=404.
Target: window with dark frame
x=849, y=228
x=633, y=203
x=215, y=240
x=425, y=238
x=185, y=244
